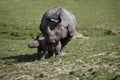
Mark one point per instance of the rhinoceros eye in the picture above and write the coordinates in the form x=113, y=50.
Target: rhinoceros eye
x=57, y=33
x=48, y=19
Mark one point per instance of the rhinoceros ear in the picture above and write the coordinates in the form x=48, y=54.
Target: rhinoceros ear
x=57, y=18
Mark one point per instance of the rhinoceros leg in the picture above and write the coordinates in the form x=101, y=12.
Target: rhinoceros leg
x=64, y=42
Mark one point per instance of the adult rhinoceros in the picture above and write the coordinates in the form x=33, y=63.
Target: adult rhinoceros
x=61, y=22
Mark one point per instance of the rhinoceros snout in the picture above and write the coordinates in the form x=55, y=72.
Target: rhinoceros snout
x=52, y=41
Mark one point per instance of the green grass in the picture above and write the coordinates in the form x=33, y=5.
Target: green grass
x=96, y=58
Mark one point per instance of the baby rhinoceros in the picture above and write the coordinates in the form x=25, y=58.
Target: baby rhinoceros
x=42, y=46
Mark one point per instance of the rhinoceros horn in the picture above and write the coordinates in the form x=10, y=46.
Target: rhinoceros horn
x=49, y=31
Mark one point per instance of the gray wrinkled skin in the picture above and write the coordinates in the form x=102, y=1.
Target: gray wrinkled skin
x=61, y=22
x=42, y=46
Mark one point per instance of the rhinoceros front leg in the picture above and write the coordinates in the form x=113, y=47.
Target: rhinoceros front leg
x=62, y=51
x=64, y=42
x=58, y=49
x=58, y=53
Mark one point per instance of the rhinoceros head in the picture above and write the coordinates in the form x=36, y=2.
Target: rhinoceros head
x=52, y=35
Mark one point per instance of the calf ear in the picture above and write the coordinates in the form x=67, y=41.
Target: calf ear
x=37, y=37
x=32, y=36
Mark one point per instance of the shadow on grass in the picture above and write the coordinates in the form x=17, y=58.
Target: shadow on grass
x=22, y=58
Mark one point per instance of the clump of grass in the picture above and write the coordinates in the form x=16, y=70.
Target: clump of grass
x=39, y=76
x=62, y=76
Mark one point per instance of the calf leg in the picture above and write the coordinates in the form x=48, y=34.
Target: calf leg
x=50, y=54
x=40, y=55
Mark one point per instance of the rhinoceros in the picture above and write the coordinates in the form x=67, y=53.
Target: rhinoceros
x=62, y=22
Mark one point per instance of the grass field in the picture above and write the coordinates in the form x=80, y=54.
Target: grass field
x=95, y=58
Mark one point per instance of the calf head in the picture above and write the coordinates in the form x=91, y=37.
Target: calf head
x=34, y=43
